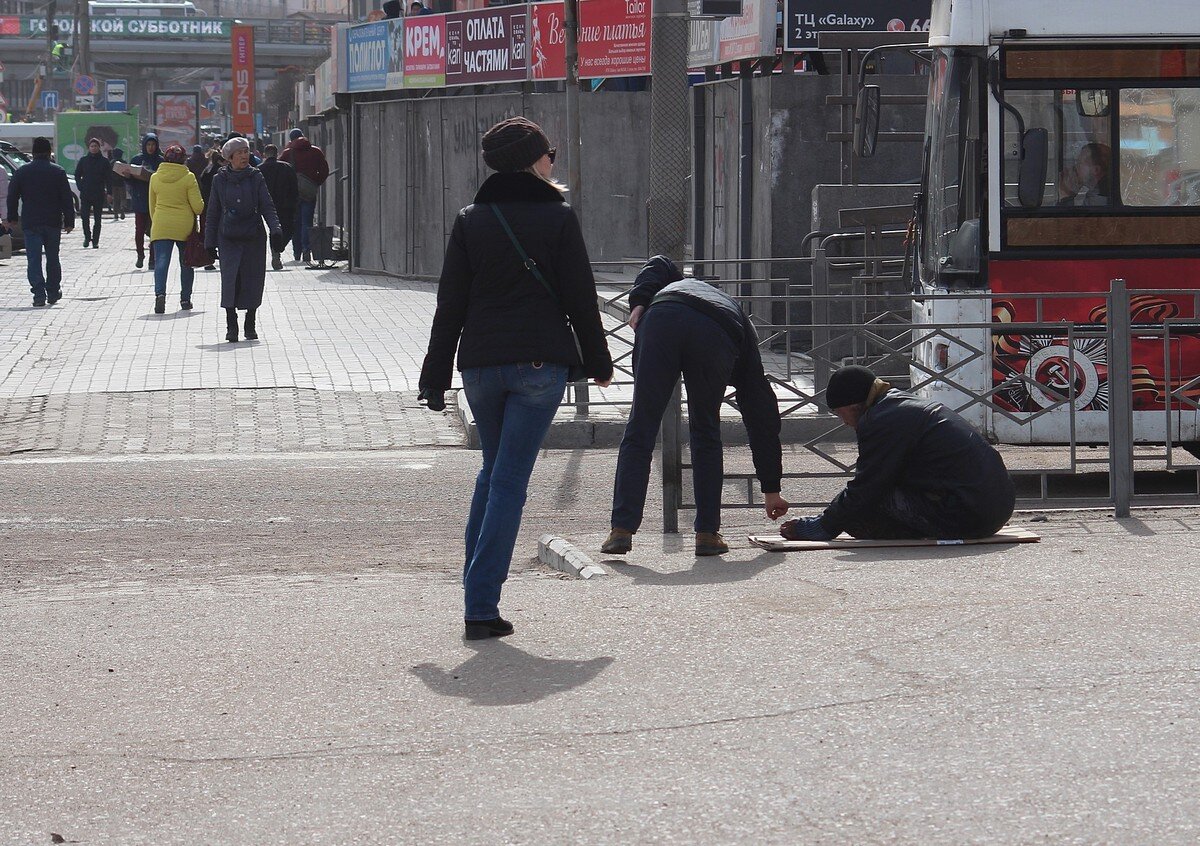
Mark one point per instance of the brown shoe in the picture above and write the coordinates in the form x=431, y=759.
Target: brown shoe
x=710, y=543
x=619, y=542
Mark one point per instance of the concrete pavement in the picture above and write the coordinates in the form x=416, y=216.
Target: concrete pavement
x=232, y=634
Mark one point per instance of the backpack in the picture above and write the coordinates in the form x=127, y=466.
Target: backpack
x=307, y=188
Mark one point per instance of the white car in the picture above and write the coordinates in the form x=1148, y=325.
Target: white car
x=15, y=158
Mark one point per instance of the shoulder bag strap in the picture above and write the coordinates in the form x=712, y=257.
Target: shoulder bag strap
x=529, y=263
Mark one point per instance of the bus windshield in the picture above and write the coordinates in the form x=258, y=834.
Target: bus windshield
x=950, y=240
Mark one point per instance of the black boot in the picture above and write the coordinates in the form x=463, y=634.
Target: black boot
x=160, y=303
x=251, y=335
x=483, y=629
x=231, y=326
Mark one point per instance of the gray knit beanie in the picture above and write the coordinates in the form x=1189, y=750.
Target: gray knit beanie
x=514, y=144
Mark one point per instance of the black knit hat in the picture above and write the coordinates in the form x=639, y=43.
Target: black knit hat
x=514, y=144
x=849, y=386
x=41, y=146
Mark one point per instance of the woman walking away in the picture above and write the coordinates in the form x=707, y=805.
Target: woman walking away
x=516, y=270
x=174, y=203
x=237, y=205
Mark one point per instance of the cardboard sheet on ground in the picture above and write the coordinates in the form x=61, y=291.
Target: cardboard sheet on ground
x=776, y=543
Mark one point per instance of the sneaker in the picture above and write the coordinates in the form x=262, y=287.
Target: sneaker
x=710, y=543
x=53, y=298
x=619, y=542
x=160, y=304
x=483, y=629
x=186, y=305
x=140, y=262
x=39, y=303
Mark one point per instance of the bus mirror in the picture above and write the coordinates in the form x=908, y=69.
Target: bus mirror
x=1092, y=102
x=866, y=121
x=1031, y=181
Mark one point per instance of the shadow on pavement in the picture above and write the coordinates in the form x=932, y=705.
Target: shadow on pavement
x=877, y=555
x=502, y=674
x=706, y=571
x=175, y=315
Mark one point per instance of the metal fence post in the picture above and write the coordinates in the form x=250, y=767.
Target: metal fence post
x=1120, y=409
x=821, y=338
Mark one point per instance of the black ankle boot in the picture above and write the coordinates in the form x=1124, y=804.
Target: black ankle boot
x=251, y=335
x=483, y=629
x=231, y=326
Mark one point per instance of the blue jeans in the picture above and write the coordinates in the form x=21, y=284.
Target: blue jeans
x=304, y=219
x=513, y=405
x=37, y=240
x=162, y=265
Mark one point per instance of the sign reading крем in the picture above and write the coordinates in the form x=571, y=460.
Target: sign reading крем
x=804, y=19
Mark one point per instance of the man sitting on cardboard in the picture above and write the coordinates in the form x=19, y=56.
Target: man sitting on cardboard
x=922, y=471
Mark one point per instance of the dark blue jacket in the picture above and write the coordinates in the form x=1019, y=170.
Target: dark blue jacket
x=41, y=189
x=139, y=191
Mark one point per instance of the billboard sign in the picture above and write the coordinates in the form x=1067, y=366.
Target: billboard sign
x=367, y=57
x=547, y=42
x=750, y=36
x=488, y=45
x=395, y=68
x=614, y=38
x=115, y=26
x=243, y=79
x=177, y=118
x=73, y=129
x=425, y=51
x=804, y=19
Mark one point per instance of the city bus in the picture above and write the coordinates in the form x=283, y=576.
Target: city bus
x=1062, y=151
x=132, y=8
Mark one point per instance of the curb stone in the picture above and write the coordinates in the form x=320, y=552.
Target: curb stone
x=562, y=555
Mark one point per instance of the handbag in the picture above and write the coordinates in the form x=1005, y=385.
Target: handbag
x=576, y=372
x=194, y=254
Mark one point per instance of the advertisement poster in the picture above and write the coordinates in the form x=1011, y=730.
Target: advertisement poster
x=425, y=51
x=242, y=93
x=113, y=26
x=804, y=19
x=702, y=44
x=177, y=118
x=547, y=42
x=488, y=45
x=395, y=68
x=750, y=36
x=367, y=57
x=114, y=129
x=614, y=38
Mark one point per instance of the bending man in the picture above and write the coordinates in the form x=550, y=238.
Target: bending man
x=688, y=326
x=922, y=471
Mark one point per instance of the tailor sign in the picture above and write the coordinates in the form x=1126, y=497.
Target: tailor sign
x=614, y=38
x=488, y=45
x=367, y=57
x=803, y=20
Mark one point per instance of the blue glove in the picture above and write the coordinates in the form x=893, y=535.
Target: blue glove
x=806, y=528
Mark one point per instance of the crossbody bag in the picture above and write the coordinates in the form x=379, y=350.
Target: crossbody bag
x=576, y=373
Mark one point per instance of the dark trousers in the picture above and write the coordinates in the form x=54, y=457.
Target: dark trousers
x=38, y=240
x=141, y=230
x=673, y=338
x=287, y=225
x=91, y=208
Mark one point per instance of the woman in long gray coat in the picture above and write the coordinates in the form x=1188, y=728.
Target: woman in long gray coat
x=237, y=205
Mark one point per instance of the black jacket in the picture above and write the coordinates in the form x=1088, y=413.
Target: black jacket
x=281, y=183
x=660, y=281
x=93, y=175
x=487, y=297
x=41, y=189
x=925, y=448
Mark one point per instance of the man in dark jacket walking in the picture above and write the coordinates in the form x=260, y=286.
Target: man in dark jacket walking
x=311, y=172
x=93, y=175
x=197, y=161
x=688, y=326
x=281, y=183
x=41, y=191
x=922, y=471
x=139, y=194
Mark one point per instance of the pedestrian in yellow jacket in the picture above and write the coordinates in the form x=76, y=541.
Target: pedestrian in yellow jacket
x=174, y=203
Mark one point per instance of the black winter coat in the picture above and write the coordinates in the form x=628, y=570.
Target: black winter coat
x=490, y=300
x=926, y=449
x=281, y=182
x=94, y=176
